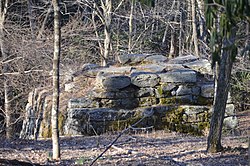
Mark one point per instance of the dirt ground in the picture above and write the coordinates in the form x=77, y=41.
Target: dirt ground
x=136, y=149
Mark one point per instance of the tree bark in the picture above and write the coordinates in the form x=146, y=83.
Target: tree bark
x=195, y=39
x=220, y=100
x=107, y=41
x=130, y=26
x=7, y=106
x=56, y=61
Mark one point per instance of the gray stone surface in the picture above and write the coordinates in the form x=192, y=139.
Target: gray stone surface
x=172, y=91
x=144, y=79
x=147, y=101
x=113, y=82
x=183, y=59
x=191, y=109
x=170, y=67
x=155, y=68
x=69, y=87
x=89, y=66
x=183, y=90
x=123, y=70
x=145, y=92
x=186, y=76
x=231, y=122
x=82, y=103
x=155, y=59
x=230, y=110
x=203, y=66
x=207, y=90
x=125, y=103
x=84, y=121
x=165, y=90
x=131, y=58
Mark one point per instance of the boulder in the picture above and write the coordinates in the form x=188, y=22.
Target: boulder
x=184, y=76
x=144, y=79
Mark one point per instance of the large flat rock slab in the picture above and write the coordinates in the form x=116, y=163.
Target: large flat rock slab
x=203, y=66
x=183, y=59
x=144, y=79
x=155, y=59
x=187, y=76
x=112, y=82
x=131, y=58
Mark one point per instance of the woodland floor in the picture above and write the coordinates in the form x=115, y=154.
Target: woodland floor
x=137, y=149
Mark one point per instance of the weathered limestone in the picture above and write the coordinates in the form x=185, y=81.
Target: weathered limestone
x=144, y=79
x=184, y=76
x=207, y=90
x=203, y=66
x=155, y=59
x=131, y=58
x=113, y=81
x=177, y=93
x=183, y=59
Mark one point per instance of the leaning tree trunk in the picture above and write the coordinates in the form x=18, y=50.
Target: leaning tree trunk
x=220, y=100
x=56, y=60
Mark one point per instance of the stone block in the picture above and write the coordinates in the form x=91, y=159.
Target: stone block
x=230, y=110
x=182, y=76
x=147, y=101
x=183, y=59
x=82, y=103
x=155, y=59
x=165, y=90
x=202, y=66
x=207, y=90
x=112, y=82
x=183, y=90
x=230, y=122
x=144, y=79
x=145, y=92
x=154, y=68
x=131, y=58
x=186, y=99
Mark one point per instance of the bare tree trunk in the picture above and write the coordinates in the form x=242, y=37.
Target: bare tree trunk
x=31, y=19
x=56, y=61
x=181, y=29
x=195, y=39
x=220, y=100
x=7, y=106
x=130, y=26
x=172, y=47
x=107, y=7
